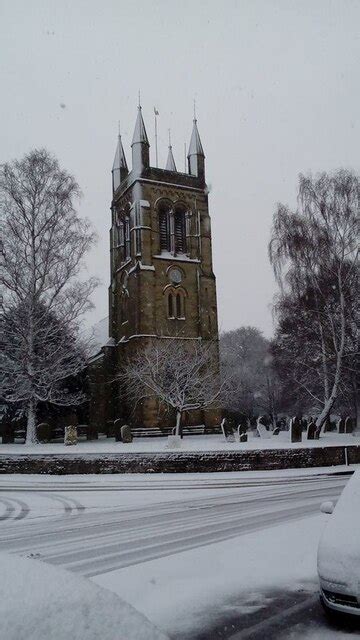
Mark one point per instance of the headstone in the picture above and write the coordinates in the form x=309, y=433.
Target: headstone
x=243, y=436
x=117, y=429
x=341, y=426
x=126, y=435
x=8, y=433
x=311, y=431
x=228, y=430
x=261, y=428
x=43, y=432
x=295, y=430
x=348, y=425
x=326, y=426
x=70, y=437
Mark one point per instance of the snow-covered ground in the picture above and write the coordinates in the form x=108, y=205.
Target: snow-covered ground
x=39, y=602
x=193, y=552
x=190, y=443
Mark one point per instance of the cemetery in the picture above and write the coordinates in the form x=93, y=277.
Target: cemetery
x=295, y=442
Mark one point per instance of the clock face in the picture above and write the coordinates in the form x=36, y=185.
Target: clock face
x=175, y=275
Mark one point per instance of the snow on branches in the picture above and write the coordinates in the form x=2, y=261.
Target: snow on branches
x=44, y=242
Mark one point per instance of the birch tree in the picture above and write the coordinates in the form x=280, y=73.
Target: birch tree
x=44, y=242
x=314, y=252
x=181, y=377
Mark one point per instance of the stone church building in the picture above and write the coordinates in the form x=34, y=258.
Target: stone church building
x=162, y=282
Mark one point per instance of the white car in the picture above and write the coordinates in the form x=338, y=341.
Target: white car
x=339, y=552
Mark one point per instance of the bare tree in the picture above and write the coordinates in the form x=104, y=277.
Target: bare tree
x=314, y=252
x=247, y=365
x=44, y=242
x=181, y=377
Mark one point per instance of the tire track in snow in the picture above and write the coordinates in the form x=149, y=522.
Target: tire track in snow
x=10, y=510
x=96, y=543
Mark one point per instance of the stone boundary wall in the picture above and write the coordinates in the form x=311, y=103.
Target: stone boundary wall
x=180, y=462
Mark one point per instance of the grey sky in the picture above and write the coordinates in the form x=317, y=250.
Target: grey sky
x=277, y=91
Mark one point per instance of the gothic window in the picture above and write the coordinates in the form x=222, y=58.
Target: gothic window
x=127, y=238
x=170, y=306
x=164, y=229
x=176, y=304
x=180, y=231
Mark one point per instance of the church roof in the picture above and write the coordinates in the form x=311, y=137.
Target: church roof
x=195, y=148
x=170, y=163
x=119, y=159
x=140, y=131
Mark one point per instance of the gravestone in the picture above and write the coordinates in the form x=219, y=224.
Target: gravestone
x=117, y=430
x=243, y=436
x=341, y=426
x=295, y=430
x=348, y=425
x=126, y=435
x=228, y=430
x=70, y=437
x=43, y=432
x=326, y=426
x=311, y=431
x=261, y=428
x=8, y=434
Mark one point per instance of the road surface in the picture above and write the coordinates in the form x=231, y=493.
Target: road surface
x=95, y=525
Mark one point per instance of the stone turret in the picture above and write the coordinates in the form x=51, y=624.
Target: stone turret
x=170, y=163
x=120, y=168
x=196, y=156
x=140, y=146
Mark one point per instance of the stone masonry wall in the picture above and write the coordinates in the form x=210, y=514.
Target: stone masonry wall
x=180, y=462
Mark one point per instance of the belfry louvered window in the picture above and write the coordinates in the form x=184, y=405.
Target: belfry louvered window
x=180, y=232
x=164, y=229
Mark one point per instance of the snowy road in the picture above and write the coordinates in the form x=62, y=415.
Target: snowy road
x=97, y=525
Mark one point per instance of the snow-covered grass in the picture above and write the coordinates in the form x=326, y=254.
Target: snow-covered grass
x=40, y=602
x=209, y=442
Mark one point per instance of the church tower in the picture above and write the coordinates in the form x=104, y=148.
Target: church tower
x=162, y=281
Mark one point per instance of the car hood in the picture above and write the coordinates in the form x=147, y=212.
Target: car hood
x=339, y=547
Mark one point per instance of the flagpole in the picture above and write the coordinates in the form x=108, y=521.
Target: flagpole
x=156, y=138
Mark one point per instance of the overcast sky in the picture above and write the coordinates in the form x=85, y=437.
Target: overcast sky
x=277, y=90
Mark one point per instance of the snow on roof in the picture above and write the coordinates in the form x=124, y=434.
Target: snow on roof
x=41, y=602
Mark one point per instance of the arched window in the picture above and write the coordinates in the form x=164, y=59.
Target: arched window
x=127, y=238
x=180, y=231
x=170, y=306
x=176, y=304
x=164, y=228
x=172, y=228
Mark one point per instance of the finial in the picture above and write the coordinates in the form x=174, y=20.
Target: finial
x=139, y=99
x=119, y=130
x=169, y=138
x=194, y=110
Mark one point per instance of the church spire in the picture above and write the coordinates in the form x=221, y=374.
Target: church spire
x=170, y=163
x=120, y=168
x=140, y=135
x=196, y=156
x=140, y=145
